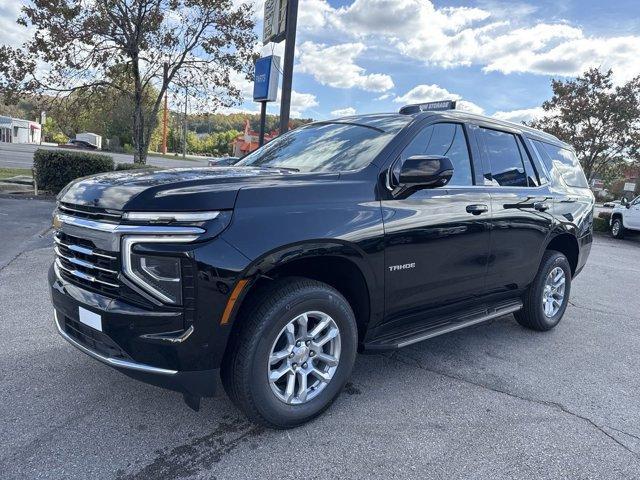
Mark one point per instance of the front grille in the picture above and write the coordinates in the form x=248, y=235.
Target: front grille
x=93, y=339
x=81, y=263
x=91, y=213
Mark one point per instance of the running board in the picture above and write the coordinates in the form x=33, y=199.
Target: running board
x=402, y=339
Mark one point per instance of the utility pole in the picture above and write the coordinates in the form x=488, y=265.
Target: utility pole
x=184, y=144
x=165, y=117
x=287, y=73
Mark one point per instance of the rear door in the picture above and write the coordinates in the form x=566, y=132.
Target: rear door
x=521, y=204
x=436, y=240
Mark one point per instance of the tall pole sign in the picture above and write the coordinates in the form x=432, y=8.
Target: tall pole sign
x=287, y=74
x=275, y=21
x=280, y=22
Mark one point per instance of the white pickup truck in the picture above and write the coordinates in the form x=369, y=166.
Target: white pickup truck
x=625, y=217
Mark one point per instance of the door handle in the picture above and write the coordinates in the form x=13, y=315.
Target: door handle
x=477, y=209
x=541, y=206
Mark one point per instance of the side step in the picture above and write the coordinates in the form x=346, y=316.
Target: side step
x=403, y=338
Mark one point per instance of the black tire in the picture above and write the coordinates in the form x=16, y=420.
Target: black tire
x=617, y=228
x=245, y=370
x=532, y=314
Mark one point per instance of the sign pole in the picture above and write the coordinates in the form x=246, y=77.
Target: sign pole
x=287, y=73
x=263, y=121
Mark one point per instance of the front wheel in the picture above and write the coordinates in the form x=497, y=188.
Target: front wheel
x=294, y=354
x=547, y=297
x=617, y=229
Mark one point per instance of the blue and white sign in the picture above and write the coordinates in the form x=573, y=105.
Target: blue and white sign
x=265, y=86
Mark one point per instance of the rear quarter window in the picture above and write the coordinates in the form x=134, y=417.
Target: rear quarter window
x=564, y=162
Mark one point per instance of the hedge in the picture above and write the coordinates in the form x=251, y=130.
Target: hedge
x=600, y=225
x=54, y=169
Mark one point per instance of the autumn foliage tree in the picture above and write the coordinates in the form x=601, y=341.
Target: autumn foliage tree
x=138, y=48
x=599, y=119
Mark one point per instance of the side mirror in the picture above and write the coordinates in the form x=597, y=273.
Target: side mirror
x=624, y=202
x=425, y=171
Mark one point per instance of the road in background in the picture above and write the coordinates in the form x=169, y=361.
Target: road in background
x=493, y=401
x=17, y=155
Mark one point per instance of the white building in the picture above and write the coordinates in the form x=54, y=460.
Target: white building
x=15, y=130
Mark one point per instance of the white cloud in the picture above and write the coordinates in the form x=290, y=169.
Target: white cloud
x=343, y=112
x=384, y=96
x=470, y=107
x=486, y=36
x=519, y=116
x=10, y=32
x=301, y=102
x=335, y=66
x=426, y=93
x=575, y=56
x=433, y=93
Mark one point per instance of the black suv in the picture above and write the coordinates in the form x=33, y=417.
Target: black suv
x=362, y=234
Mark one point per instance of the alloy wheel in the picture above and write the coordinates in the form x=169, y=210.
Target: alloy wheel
x=304, y=357
x=553, y=292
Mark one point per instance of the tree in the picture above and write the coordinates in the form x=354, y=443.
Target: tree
x=600, y=120
x=132, y=46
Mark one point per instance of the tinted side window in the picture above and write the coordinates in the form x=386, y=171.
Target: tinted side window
x=567, y=164
x=507, y=169
x=448, y=140
x=532, y=177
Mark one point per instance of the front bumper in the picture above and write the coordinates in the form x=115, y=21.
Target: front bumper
x=196, y=383
x=120, y=344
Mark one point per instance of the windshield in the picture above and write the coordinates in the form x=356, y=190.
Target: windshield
x=322, y=147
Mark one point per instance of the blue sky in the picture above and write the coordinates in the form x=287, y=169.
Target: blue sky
x=495, y=56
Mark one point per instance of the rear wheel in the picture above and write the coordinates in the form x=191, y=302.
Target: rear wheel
x=617, y=229
x=546, y=299
x=294, y=354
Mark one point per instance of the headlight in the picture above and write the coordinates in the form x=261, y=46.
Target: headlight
x=158, y=275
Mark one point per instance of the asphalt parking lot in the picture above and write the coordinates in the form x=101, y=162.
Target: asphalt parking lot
x=494, y=401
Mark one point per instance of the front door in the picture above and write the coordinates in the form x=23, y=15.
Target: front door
x=632, y=215
x=436, y=240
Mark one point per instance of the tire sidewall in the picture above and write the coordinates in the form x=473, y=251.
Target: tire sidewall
x=557, y=260
x=316, y=299
x=620, y=229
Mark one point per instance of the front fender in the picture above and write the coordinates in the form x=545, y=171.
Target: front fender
x=371, y=266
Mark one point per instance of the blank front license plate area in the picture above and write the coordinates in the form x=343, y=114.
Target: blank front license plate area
x=90, y=319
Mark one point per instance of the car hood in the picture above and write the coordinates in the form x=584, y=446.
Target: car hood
x=176, y=189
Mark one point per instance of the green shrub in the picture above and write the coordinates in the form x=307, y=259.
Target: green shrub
x=54, y=169
x=132, y=166
x=605, y=216
x=600, y=224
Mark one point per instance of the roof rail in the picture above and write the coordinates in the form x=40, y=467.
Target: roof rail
x=429, y=106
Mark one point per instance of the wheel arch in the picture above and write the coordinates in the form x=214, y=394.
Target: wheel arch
x=339, y=264
x=616, y=215
x=567, y=244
